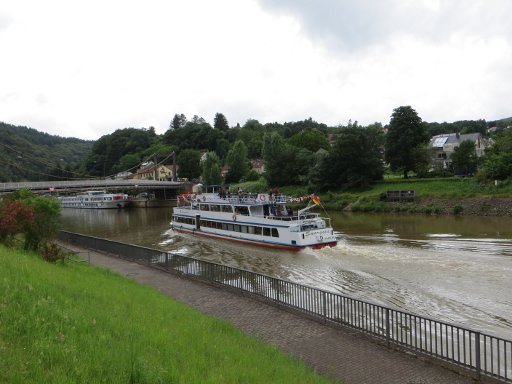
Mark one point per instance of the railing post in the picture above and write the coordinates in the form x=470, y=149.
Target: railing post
x=278, y=293
x=388, y=329
x=324, y=306
x=477, y=354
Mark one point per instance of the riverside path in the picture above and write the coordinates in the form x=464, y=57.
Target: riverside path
x=344, y=354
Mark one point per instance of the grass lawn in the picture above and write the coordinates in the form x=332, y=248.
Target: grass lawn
x=71, y=322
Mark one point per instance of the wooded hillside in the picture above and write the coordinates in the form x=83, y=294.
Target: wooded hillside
x=27, y=154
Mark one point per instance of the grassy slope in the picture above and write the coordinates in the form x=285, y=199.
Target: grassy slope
x=71, y=322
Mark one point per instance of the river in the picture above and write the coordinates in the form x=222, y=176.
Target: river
x=455, y=269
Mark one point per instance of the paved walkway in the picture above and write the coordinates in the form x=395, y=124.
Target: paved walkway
x=344, y=354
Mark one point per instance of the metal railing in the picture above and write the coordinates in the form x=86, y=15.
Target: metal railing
x=483, y=354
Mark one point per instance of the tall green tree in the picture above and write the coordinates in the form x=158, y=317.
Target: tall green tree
x=220, y=122
x=189, y=164
x=498, y=158
x=211, y=169
x=406, y=136
x=178, y=121
x=464, y=158
x=355, y=160
x=237, y=161
x=280, y=160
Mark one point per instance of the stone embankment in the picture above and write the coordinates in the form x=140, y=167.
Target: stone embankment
x=470, y=206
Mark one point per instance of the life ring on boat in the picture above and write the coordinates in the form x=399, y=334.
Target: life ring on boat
x=262, y=197
x=234, y=216
x=204, y=198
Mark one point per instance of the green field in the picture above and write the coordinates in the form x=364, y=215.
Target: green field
x=73, y=323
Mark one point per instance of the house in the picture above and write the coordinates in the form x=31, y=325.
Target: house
x=258, y=166
x=150, y=171
x=444, y=146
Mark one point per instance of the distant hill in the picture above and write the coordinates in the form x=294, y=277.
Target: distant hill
x=504, y=122
x=29, y=155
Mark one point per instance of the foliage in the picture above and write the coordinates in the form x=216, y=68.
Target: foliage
x=34, y=217
x=256, y=186
x=464, y=159
x=188, y=161
x=107, y=152
x=220, y=122
x=211, y=169
x=46, y=218
x=15, y=218
x=178, y=121
x=279, y=158
x=26, y=154
x=73, y=323
x=498, y=158
x=52, y=252
x=464, y=126
x=405, y=135
x=311, y=140
x=237, y=161
x=355, y=161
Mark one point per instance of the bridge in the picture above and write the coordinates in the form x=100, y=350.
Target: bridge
x=173, y=187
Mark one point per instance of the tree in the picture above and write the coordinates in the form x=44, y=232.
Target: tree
x=464, y=159
x=178, y=121
x=354, y=161
x=280, y=160
x=237, y=161
x=40, y=222
x=189, y=164
x=312, y=140
x=498, y=158
x=220, y=122
x=406, y=134
x=211, y=169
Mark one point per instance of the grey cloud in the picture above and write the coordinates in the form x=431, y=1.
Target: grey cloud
x=358, y=24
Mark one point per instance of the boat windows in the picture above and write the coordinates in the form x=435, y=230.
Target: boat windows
x=243, y=229
x=215, y=208
x=275, y=233
x=204, y=207
x=266, y=231
x=227, y=208
x=257, y=230
x=242, y=210
x=236, y=228
x=185, y=220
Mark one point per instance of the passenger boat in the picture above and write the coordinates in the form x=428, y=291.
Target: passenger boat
x=95, y=200
x=257, y=219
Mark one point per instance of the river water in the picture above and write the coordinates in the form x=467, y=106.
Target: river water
x=455, y=269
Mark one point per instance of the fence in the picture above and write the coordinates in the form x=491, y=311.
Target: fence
x=484, y=355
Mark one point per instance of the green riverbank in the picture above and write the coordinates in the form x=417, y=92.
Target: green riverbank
x=70, y=322
x=458, y=196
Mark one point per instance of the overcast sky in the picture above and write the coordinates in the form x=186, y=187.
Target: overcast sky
x=79, y=68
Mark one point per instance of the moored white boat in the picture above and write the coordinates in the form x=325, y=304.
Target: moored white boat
x=95, y=200
x=257, y=219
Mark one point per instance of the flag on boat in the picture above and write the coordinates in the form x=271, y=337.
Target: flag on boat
x=315, y=199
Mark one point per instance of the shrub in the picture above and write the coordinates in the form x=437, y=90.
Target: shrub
x=458, y=209
x=51, y=252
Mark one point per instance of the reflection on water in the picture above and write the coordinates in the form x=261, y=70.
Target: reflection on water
x=452, y=268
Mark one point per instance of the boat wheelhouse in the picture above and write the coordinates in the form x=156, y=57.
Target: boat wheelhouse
x=95, y=200
x=257, y=219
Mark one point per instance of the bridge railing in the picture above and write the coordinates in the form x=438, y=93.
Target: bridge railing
x=91, y=183
x=484, y=355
